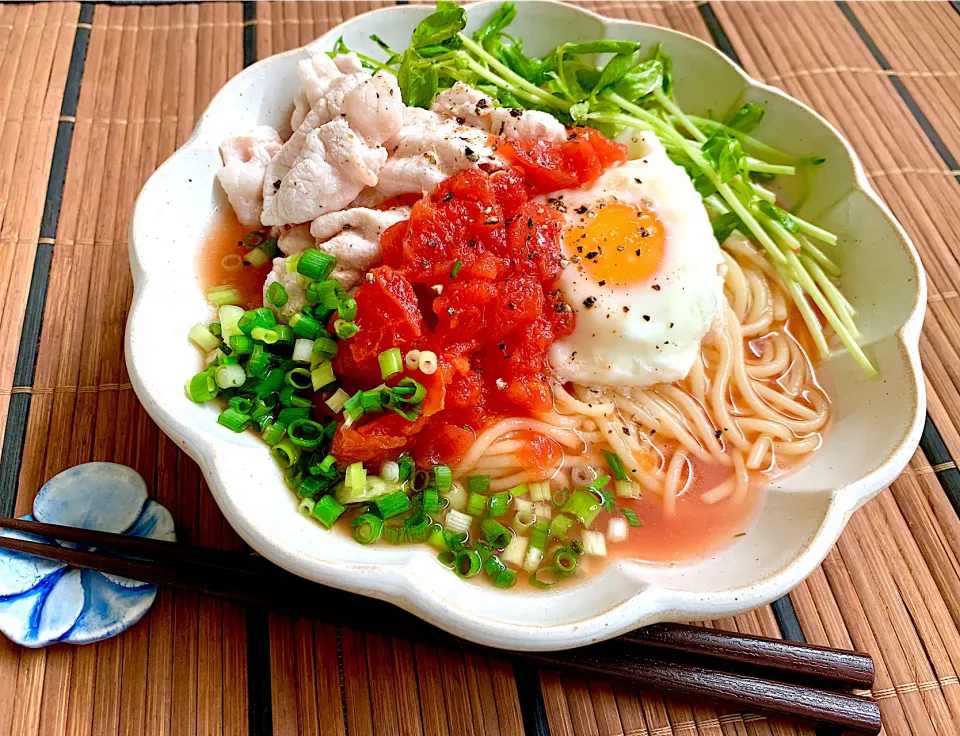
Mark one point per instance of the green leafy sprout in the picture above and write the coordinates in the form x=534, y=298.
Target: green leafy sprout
x=634, y=90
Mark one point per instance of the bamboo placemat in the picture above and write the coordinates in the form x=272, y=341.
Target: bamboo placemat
x=93, y=97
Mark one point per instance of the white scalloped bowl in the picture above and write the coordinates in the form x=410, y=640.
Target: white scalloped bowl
x=877, y=422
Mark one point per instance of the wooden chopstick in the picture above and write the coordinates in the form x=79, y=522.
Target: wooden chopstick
x=636, y=665
x=823, y=664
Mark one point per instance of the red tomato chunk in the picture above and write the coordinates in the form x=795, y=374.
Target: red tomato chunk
x=492, y=324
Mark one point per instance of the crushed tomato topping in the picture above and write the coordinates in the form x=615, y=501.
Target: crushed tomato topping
x=491, y=324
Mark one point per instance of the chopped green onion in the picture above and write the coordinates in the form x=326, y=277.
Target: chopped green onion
x=493, y=566
x=202, y=387
x=499, y=502
x=231, y=262
x=416, y=528
x=443, y=477
x=241, y=404
x=391, y=363
x=396, y=503
x=599, y=483
x=478, y=483
x=302, y=351
x=565, y=561
x=260, y=317
x=222, y=295
x=229, y=316
x=328, y=293
x=277, y=294
x=259, y=362
x=323, y=375
x=291, y=414
x=257, y=257
x=355, y=477
x=615, y=465
x=305, y=326
x=241, y=345
x=306, y=433
x=348, y=309
x=560, y=497
x=315, y=264
x=627, y=489
x=372, y=401
x=334, y=403
x=476, y=504
x=545, y=577
x=495, y=533
x=265, y=335
x=306, y=507
x=631, y=517
x=421, y=479
x=609, y=501
x=538, y=536
x=233, y=419
x=284, y=334
x=419, y=391
x=286, y=453
x=455, y=269
x=214, y=328
x=560, y=525
x=325, y=347
x=328, y=509
x=231, y=376
x=274, y=433
x=298, y=378
x=467, y=563
x=272, y=383
x=406, y=465
x=309, y=487
x=521, y=490
x=437, y=538
x=367, y=528
x=203, y=338
x=505, y=579
x=394, y=532
x=325, y=467
x=353, y=407
x=345, y=329
x=584, y=505
x=447, y=558
x=432, y=502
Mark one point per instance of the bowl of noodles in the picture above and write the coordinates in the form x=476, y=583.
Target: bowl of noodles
x=486, y=314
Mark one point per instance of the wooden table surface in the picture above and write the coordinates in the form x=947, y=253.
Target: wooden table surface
x=93, y=97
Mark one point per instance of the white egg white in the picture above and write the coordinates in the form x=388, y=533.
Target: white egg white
x=645, y=333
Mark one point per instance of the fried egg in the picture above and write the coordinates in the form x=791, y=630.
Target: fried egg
x=643, y=276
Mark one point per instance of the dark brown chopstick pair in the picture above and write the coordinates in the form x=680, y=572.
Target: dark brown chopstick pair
x=753, y=673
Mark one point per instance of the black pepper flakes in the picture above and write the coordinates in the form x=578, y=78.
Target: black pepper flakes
x=589, y=301
x=448, y=196
x=646, y=318
x=656, y=287
x=626, y=310
x=461, y=121
x=470, y=154
x=276, y=184
x=602, y=283
x=592, y=254
x=581, y=210
x=511, y=305
x=515, y=112
x=718, y=434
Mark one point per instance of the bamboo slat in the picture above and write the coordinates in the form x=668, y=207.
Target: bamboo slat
x=891, y=587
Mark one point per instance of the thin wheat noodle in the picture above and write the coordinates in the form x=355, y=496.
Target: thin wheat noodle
x=567, y=438
x=759, y=452
x=671, y=486
x=698, y=381
x=559, y=420
x=501, y=447
x=719, y=492
x=496, y=462
x=741, y=477
x=571, y=404
x=503, y=484
x=695, y=413
x=764, y=426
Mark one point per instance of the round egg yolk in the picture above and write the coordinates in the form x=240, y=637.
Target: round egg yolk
x=617, y=243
